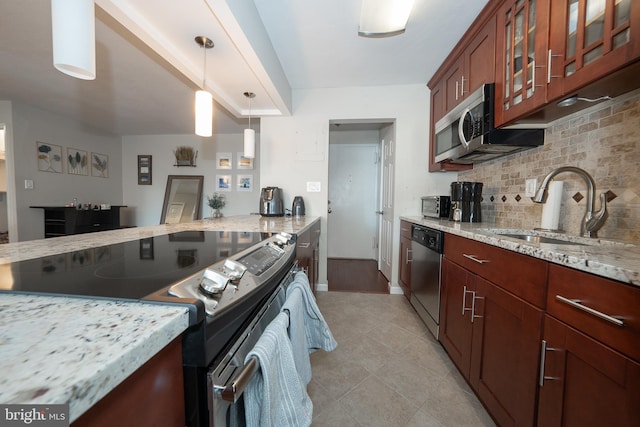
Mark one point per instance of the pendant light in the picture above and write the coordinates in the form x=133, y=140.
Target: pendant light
x=249, y=134
x=73, y=37
x=204, y=99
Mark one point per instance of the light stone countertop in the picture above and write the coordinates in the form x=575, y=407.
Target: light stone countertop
x=75, y=350
x=45, y=247
x=607, y=258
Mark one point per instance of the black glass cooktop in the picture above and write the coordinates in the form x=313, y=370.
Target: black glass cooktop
x=129, y=270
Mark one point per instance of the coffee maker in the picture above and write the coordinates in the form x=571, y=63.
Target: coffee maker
x=465, y=202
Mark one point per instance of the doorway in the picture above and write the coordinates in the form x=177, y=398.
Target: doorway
x=4, y=221
x=358, y=194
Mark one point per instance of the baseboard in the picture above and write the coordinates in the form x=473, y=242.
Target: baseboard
x=395, y=290
x=322, y=287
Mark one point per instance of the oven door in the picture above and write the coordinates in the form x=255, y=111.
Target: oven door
x=227, y=380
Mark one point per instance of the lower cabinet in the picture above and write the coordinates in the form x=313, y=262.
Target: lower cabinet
x=585, y=383
x=308, y=253
x=405, y=258
x=493, y=337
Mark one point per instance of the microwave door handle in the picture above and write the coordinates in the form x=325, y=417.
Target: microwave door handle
x=463, y=139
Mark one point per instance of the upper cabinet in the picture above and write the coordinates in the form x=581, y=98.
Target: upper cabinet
x=549, y=49
x=469, y=66
x=590, y=39
x=522, y=58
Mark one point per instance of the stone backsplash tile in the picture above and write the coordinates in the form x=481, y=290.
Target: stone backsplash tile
x=604, y=140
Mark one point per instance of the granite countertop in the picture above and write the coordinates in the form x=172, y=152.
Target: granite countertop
x=75, y=350
x=607, y=258
x=31, y=249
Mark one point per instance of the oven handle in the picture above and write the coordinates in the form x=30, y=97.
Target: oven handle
x=233, y=391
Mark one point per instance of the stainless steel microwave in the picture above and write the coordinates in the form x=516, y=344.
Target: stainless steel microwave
x=467, y=134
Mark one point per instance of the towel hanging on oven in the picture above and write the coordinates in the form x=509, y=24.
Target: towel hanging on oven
x=275, y=396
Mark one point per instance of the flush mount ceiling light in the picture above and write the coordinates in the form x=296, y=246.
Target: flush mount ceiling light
x=249, y=134
x=204, y=99
x=384, y=18
x=74, y=37
x=573, y=99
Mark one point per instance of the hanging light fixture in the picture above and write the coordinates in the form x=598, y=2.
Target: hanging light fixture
x=204, y=99
x=384, y=18
x=74, y=37
x=249, y=134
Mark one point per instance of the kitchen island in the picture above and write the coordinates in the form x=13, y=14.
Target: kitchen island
x=76, y=350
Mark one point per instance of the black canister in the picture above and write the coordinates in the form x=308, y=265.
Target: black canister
x=466, y=198
x=297, y=208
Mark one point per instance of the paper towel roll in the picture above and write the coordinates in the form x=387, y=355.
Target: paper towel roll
x=551, y=208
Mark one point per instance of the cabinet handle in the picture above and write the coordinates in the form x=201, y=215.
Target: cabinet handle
x=461, y=86
x=576, y=303
x=304, y=245
x=473, y=306
x=549, y=76
x=464, y=302
x=543, y=360
x=408, y=260
x=404, y=229
x=464, y=299
x=473, y=258
x=456, y=90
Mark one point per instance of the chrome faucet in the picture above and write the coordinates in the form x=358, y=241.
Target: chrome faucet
x=591, y=222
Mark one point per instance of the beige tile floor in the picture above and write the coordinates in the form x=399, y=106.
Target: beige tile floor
x=388, y=370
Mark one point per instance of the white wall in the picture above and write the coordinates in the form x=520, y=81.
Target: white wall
x=25, y=126
x=145, y=201
x=295, y=150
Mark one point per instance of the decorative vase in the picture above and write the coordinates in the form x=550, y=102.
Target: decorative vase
x=215, y=213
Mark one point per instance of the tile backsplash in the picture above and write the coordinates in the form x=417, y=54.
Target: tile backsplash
x=604, y=140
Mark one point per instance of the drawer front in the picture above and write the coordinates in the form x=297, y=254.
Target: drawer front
x=522, y=275
x=604, y=309
x=405, y=229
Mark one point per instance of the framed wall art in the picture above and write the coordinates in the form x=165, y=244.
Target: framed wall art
x=244, y=162
x=49, y=157
x=77, y=162
x=99, y=165
x=144, y=169
x=223, y=182
x=224, y=161
x=245, y=182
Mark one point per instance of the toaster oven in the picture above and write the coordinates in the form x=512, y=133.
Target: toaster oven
x=436, y=206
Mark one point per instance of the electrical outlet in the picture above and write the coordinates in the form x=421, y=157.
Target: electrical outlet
x=28, y=184
x=530, y=187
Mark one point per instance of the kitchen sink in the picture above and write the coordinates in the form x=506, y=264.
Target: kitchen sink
x=541, y=239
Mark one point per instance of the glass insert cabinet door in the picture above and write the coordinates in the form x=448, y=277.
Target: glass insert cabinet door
x=590, y=38
x=523, y=43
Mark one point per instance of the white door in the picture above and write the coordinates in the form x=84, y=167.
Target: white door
x=352, y=224
x=386, y=201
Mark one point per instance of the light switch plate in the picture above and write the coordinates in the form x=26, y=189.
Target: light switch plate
x=313, y=187
x=530, y=187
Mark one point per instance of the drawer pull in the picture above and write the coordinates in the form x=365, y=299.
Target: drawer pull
x=577, y=304
x=407, y=257
x=304, y=245
x=473, y=258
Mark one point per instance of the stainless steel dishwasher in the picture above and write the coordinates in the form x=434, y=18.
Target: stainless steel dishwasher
x=426, y=248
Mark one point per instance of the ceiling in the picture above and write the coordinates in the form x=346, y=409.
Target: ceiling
x=148, y=65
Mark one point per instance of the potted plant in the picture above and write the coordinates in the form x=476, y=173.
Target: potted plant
x=185, y=156
x=216, y=202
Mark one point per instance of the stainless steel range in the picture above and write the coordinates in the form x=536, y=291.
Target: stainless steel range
x=225, y=278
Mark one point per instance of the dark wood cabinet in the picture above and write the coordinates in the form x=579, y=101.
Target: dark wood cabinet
x=491, y=324
x=405, y=258
x=522, y=45
x=64, y=221
x=469, y=66
x=585, y=383
x=590, y=39
x=308, y=252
